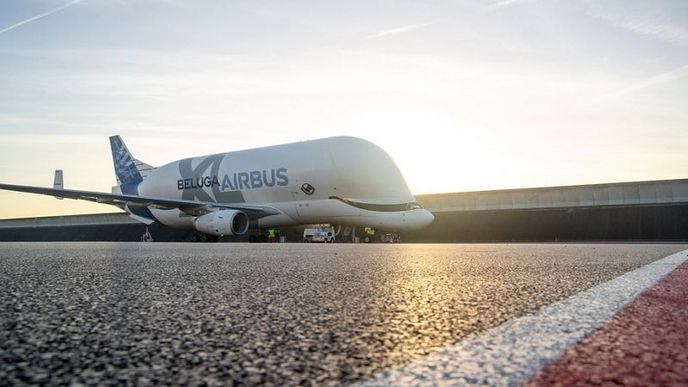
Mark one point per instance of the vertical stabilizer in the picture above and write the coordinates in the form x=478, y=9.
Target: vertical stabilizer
x=129, y=171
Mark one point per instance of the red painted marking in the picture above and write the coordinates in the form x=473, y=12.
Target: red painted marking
x=645, y=344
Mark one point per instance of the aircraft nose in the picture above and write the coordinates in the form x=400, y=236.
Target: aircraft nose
x=427, y=217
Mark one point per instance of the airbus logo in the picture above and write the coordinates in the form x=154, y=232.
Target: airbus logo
x=308, y=189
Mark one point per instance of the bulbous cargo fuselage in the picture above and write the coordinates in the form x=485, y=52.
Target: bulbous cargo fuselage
x=342, y=180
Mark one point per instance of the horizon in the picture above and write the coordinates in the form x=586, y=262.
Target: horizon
x=469, y=96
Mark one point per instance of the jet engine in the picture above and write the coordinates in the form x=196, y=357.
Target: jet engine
x=223, y=222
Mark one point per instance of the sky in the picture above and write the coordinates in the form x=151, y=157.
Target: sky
x=463, y=95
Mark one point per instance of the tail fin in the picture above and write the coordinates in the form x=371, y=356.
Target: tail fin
x=130, y=171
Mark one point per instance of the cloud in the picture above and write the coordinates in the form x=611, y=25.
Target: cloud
x=654, y=28
x=39, y=16
x=399, y=30
x=673, y=75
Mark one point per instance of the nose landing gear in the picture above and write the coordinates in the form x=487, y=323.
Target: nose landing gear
x=204, y=238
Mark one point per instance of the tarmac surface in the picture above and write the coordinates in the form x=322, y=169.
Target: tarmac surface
x=646, y=344
x=245, y=314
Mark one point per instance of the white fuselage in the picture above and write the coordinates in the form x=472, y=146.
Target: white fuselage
x=339, y=180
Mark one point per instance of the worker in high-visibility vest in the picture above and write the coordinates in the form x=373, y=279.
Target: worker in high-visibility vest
x=370, y=235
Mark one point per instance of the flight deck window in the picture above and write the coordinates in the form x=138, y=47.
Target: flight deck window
x=380, y=207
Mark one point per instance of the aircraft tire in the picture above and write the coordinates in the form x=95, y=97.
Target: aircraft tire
x=200, y=237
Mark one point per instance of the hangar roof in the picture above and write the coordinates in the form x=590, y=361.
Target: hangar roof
x=592, y=195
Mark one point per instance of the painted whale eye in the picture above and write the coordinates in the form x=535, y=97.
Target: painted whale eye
x=308, y=189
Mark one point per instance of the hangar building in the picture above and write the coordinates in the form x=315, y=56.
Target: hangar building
x=632, y=211
x=635, y=211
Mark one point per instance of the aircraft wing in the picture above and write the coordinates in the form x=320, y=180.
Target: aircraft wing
x=191, y=207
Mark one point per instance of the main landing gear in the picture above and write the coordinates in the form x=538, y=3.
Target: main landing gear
x=203, y=237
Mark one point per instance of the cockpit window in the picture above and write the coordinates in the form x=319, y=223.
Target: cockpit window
x=380, y=207
x=413, y=206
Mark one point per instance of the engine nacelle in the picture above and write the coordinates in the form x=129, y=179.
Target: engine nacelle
x=223, y=222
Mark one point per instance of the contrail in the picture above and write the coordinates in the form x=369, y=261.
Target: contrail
x=503, y=3
x=39, y=16
x=678, y=73
x=399, y=30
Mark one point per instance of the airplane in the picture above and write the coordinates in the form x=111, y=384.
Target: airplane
x=337, y=180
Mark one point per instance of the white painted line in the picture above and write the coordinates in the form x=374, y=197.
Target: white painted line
x=512, y=353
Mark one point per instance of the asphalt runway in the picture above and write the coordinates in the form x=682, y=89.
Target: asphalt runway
x=245, y=314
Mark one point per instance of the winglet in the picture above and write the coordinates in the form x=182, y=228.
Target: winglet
x=58, y=182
